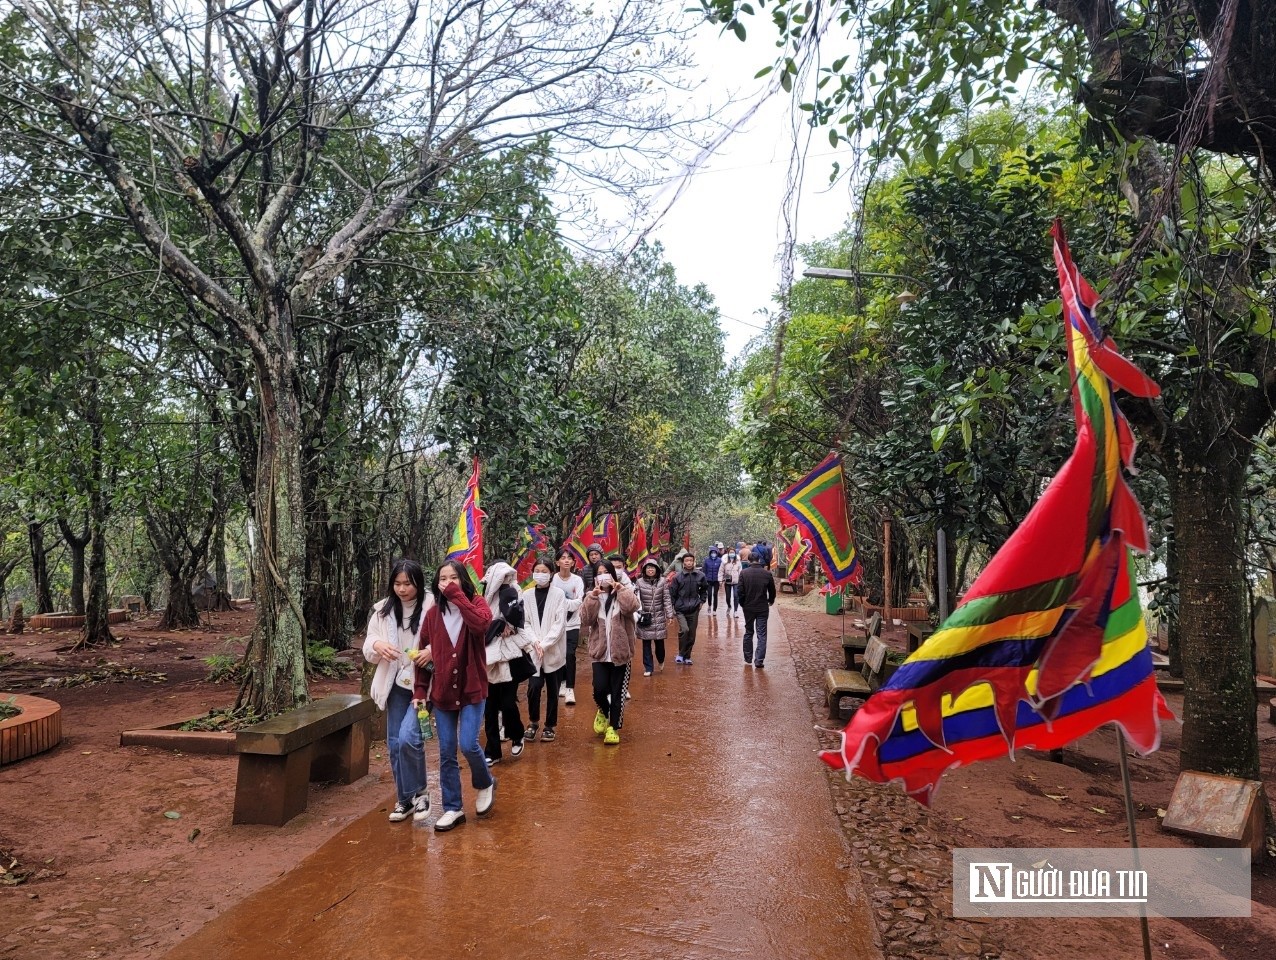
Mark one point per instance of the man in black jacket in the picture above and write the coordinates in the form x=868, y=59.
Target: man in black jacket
x=756, y=594
x=688, y=591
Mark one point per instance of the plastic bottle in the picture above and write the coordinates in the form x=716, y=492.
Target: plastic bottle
x=427, y=726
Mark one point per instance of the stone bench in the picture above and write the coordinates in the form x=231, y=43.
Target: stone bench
x=856, y=685
x=855, y=644
x=325, y=740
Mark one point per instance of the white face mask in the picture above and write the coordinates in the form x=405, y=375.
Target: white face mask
x=603, y=580
x=541, y=578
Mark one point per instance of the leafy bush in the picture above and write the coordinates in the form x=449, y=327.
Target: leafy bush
x=322, y=660
x=9, y=708
x=223, y=667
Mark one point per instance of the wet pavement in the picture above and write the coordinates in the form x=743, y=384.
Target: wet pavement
x=708, y=833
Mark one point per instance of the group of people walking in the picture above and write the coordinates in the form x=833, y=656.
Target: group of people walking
x=450, y=658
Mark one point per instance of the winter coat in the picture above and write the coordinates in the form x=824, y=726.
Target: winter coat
x=653, y=598
x=757, y=589
x=389, y=671
x=688, y=591
x=712, y=563
x=612, y=633
x=731, y=571
x=550, y=628
x=501, y=597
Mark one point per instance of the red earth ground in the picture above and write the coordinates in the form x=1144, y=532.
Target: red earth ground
x=107, y=874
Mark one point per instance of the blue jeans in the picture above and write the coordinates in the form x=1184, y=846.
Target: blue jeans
x=404, y=744
x=464, y=725
x=752, y=622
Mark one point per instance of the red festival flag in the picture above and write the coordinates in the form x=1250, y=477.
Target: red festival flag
x=1049, y=643
x=582, y=532
x=639, y=551
x=607, y=534
x=467, y=539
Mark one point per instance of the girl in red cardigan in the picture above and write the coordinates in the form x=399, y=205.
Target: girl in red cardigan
x=455, y=685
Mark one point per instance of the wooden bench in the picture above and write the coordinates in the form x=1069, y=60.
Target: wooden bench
x=854, y=645
x=325, y=740
x=849, y=683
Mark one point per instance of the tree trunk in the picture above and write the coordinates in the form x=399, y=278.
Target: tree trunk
x=1219, y=707
x=76, y=543
x=97, y=625
x=40, y=568
x=276, y=679
x=221, y=570
x=326, y=604
x=180, y=611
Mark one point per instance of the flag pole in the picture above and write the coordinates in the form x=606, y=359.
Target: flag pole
x=1134, y=837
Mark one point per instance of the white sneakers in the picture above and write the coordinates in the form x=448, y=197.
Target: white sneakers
x=483, y=805
x=450, y=819
x=418, y=808
x=421, y=806
x=571, y=696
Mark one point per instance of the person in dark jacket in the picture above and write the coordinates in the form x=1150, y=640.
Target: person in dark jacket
x=593, y=557
x=688, y=592
x=712, y=566
x=756, y=594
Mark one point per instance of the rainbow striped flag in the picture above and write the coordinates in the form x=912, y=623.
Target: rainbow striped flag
x=1049, y=643
x=467, y=539
x=817, y=504
x=534, y=543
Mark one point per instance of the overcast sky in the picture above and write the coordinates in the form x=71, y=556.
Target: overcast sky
x=726, y=229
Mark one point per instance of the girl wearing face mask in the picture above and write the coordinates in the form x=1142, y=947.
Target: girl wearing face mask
x=653, y=598
x=730, y=574
x=545, y=609
x=574, y=588
x=608, y=615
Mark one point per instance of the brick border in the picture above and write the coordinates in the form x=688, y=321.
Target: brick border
x=36, y=729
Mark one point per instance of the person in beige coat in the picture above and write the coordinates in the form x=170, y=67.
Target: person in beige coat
x=545, y=612
x=608, y=615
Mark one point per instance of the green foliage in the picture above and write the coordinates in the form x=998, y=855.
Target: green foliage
x=224, y=668
x=323, y=661
x=9, y=708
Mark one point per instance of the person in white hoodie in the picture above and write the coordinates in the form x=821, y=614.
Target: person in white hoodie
x=391, y=643
x=506, y=641
x=545, y=611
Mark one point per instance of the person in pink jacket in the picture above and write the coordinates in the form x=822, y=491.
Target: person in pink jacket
x=608, y=615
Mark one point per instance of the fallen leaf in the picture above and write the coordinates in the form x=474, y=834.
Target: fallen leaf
x=190, y=838
x=85, y=753
x=1066, y=830
x=1013, y=817
x=1057, y=796
x=1160, y=811
x=959, y=818
x=172, y=815
x=1098, y=810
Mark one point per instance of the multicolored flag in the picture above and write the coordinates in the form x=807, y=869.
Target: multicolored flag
x=639, y=550
x=533, y=544
x=659, y=538
x=607, y=534
x=817, y=504
x=1050, y=642
x=467, y=540
x=582, y=532
x=797, y=552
